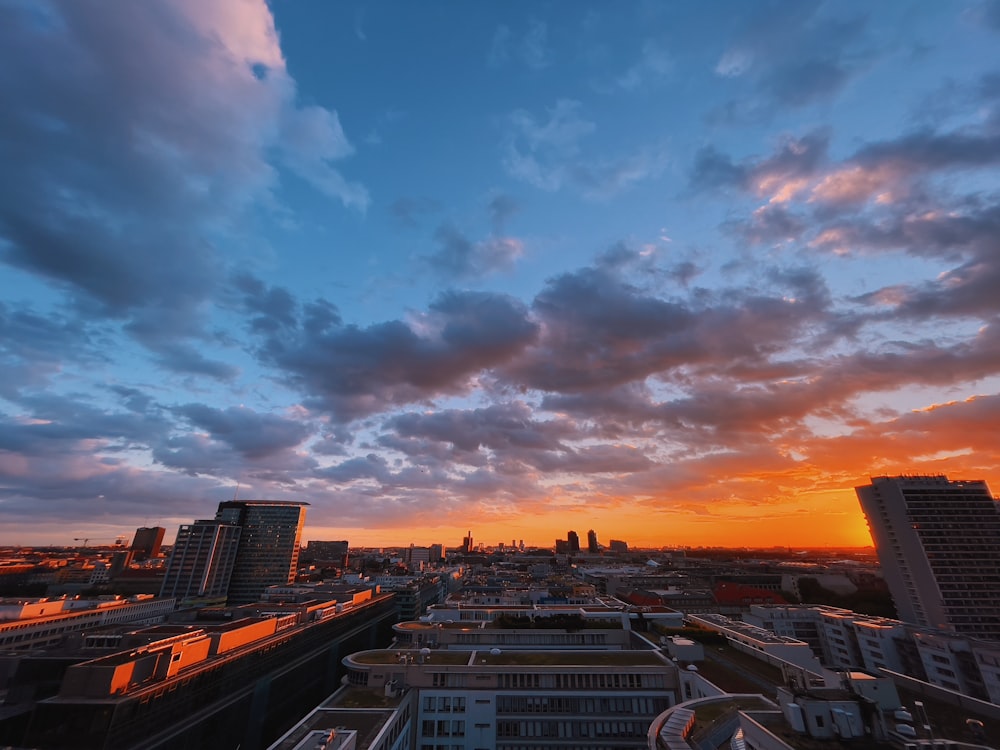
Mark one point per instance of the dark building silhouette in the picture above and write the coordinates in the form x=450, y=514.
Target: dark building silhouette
x=146, y=542
x=592, y=546
x=573, y=540
x=331, y=553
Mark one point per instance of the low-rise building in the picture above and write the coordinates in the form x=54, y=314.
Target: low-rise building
x=42, y=623
x=502, y=700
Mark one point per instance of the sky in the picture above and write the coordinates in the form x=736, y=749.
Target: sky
x=683, y=273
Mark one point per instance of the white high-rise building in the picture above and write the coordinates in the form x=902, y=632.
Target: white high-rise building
x=939, y=545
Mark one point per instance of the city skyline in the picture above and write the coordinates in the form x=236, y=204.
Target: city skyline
x=682, y=275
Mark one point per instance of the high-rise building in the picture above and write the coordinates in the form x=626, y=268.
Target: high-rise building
x=202, y=559
x=268, y=551
x=592, y=546
x=574, y=542
x=147, y=541
x=938, y=542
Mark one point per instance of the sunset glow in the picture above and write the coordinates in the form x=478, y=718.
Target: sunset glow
x=682, y=275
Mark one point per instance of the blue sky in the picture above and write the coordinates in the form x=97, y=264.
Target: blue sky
x=684, y=273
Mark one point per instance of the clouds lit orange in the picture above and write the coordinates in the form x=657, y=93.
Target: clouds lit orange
x=432, y=267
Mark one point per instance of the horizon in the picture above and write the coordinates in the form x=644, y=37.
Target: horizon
x=689, y=273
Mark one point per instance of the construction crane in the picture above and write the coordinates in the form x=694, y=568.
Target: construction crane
x=120, y=540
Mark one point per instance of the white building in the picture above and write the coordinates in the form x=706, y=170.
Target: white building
x=502, y=700
x=41, y=623
x=938, y=542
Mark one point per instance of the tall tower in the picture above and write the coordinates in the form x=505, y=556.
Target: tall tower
x=592, y=546
x=268, y=552
x=574, y=542
x=201, y=562
x=147, y=541
x=938, y=542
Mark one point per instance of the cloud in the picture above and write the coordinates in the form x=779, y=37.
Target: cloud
x=252, y=434
x=458, y=257
x=792, y=55
x=356, y=371
x=547, y=154
x=654, y=64
x=779, y=177
x=117, y=137
x=497, y=427
x=502, y=208
x=408, y=212
x=531, y=48
x=598, y=330
x=36, y=347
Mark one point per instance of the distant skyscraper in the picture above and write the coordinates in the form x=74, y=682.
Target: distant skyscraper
x=147, y=541
x=617, y=545
x=467, y=543
x=573, y=540
x=592, y=546
x=939, y=545
x=268, y=553
x=201, y=562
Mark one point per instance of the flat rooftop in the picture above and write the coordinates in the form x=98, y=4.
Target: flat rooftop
x=419, y=625
x=391, y=657
x=363, y=710
x=569, y=658
x=515, y=658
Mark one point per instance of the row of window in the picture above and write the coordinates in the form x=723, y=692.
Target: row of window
x=520, y=704
x=444, y=704
x=442, y=728
x=580, y=729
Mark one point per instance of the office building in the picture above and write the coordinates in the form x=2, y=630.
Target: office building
x=938, y=542
x=201, y=562
x=592, y=546
x=573, y=540
x=499, y=699
x=147, y=541
x=268, y=550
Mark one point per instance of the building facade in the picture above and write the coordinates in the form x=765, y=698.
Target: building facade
x=268, y=550
x=938, y=542
x=202, y=559
x=147, y=540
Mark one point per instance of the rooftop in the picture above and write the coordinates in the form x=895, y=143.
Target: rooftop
x=569, y=658
x=514, y=658
x=393, y=657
